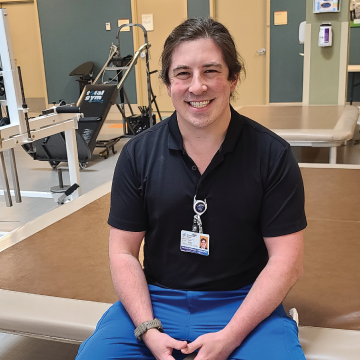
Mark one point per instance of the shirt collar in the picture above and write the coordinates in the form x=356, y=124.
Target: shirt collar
x=175, y=141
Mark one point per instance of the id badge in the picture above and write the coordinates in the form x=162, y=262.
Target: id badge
x=195, y=243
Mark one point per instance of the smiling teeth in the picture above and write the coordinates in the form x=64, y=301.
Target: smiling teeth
x=199, y=104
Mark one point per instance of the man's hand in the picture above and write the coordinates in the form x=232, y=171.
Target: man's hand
x=161, y=345
x=213, y=346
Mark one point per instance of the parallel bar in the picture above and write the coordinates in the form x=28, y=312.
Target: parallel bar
x=61, y=183
x=4, y=180
x=38, y=134
x=73, y=161
x=31, y=194
x=14, y=175
x=333, y=151
x=9, y=73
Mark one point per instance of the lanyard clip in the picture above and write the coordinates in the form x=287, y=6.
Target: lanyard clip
x=199, y=206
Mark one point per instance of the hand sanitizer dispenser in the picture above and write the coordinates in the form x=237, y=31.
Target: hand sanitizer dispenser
x=302, y=32
x=325, y=35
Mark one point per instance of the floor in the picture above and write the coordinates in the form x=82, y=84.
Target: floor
x=15, y=347
x=39, y=176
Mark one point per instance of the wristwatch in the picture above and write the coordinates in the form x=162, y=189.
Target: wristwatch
x=147, y=325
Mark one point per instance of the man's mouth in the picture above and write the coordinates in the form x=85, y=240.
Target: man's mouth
x=199, y=104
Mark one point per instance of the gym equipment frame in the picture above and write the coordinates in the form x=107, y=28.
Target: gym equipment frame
x=22, y=130
x=133, y=124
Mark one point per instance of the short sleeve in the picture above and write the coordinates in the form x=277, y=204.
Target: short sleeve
x=283, y=203
x=127, y=210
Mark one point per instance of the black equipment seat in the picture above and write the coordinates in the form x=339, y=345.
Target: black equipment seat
x=85, y=71
x=95, y=103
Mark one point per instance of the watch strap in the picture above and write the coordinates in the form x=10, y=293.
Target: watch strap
x=147, y=325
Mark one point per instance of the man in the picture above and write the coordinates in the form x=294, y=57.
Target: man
x=205, y=170
x=203, y=243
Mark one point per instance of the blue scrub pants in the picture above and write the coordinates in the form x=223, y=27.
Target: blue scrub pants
x=186, y=315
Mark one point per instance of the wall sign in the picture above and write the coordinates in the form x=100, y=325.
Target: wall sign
x=280, y=18
x=326, y=6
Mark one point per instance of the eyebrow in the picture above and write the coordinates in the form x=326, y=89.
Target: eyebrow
x=180, y=67
x=206, y=65
x=213, y=64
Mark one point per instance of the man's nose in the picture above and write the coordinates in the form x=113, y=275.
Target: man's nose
x=198, y=85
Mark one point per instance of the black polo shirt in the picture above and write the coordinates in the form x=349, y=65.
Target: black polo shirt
x=253, y=189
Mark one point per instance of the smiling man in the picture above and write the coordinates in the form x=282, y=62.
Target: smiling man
x=204, y=172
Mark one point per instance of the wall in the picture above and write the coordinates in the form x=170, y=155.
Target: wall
x=73, y=32
x=26, y=43
x=78, y=30
x=286, y=65
x=163, y=25
x=325, y=62
x=198, y=8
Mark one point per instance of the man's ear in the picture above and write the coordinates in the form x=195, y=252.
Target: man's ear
x=233, y=83
x=168, y=89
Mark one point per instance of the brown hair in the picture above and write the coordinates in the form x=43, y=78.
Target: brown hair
x=202, y=28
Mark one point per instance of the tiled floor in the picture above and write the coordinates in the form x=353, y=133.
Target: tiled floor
x=39, y=176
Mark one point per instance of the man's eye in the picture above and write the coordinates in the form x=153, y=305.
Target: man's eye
x=183, y=75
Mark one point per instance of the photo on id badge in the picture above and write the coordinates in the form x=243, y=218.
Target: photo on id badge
x=195, y=243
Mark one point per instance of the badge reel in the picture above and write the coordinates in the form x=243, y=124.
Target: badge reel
x=199, y=207
x=195, y=241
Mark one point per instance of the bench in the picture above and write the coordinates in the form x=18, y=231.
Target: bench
x=73, y=321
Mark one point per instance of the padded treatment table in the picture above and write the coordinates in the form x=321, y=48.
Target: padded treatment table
x=317, y=126
x=57, y=284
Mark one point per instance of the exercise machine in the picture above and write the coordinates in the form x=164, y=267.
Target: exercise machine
x=94, y=104
x=21, y=130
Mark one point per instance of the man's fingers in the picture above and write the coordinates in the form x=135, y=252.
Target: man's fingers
x=178, y=345
x=192, y=346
